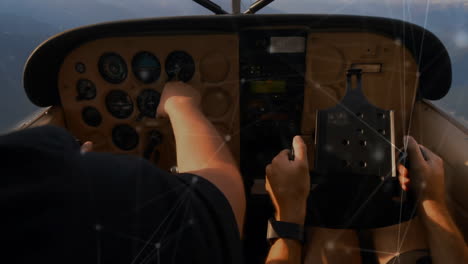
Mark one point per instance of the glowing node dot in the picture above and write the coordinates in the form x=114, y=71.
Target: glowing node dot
x=157, y=245
x=423, y=185
x=378, y=155
x=227, y=138
x=98, y=227
x=330, y=245
x=461, y=39
x=398, y=42
x=328, y=148
x=397, y=254
x=194, y=179
x=466, y=163
x=317, y=85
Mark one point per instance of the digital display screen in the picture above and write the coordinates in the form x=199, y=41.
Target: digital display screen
x=287, y=45
x=268, y=86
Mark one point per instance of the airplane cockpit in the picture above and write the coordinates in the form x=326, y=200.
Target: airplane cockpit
x=351, y=86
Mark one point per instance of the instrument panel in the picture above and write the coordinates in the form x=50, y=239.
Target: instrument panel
x=259, y=87
x=110, y=89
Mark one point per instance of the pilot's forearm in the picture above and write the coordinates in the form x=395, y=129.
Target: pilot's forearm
x=198, y=144
x=445, y=240
x=285, y=251
x=201, y=150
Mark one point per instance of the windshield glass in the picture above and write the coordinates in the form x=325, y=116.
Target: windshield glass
x=24, y=24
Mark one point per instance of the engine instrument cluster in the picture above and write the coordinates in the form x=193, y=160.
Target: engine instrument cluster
x=110, y=95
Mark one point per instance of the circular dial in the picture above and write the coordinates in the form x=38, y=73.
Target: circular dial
x=113, y=68
x=91, y=116
x=148, y=102
x=119, y=104
x=214, y=67
x=216, y=102
x=125, y=137
x=180, y=66
x=86, y=90
x=146, y=67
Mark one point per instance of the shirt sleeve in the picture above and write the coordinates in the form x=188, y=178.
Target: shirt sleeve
x=64, y=206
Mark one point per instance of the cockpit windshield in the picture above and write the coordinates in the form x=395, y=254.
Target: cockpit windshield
x=25, y=24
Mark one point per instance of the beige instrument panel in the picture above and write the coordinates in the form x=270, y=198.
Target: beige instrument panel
x=394, y=87
x=216, y=77
x=390, y=82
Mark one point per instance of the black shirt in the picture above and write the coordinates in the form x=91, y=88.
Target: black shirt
x=61, y=206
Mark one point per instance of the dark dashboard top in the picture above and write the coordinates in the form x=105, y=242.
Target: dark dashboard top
x=41, y=70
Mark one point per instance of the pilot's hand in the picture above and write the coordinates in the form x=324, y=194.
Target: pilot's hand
x=425, y=177
x=86, y=147
x=288, y=183
x=176, y=93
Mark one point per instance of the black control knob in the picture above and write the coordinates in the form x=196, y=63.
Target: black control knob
x=155, y=139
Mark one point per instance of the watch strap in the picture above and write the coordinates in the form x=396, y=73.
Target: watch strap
x=279, y=229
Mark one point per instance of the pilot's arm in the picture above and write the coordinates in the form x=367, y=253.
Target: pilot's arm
x=426, y=178
x=200, y=148
x=288, y=184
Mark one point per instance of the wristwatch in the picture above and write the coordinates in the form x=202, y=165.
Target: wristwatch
x=278, y=229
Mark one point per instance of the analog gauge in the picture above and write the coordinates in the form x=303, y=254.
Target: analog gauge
x=180, y=66
x=148, y=102
x=113, y=68
x=125, y=137
x=119, y=104
x=214, y=67
x=146, y=67
x=216, y=102
x=91, y=116
x=86, y=90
